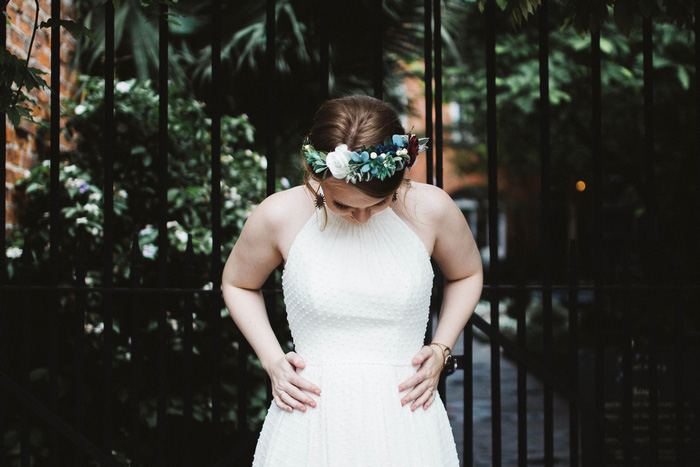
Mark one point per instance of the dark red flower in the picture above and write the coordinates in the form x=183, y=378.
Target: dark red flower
x=412, y=149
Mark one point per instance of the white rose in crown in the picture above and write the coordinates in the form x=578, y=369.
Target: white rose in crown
x=338, y=161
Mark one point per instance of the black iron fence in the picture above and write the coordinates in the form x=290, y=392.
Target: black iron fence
x=127, y=374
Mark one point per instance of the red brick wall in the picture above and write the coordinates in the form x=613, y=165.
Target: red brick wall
x=28, y=143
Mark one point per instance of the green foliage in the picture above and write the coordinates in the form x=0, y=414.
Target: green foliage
x=633, y=222
x=17, y=103
x=587, y=16
x=136, y=205
x=135, y=175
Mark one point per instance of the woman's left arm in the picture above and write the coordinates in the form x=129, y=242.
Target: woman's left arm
x=457, y=255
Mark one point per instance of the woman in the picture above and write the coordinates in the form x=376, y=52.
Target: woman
x=356, y=242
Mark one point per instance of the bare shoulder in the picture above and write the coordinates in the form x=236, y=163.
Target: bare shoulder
x=266, y=237
x=277, y=220
x=430, y=204
x=279, y=208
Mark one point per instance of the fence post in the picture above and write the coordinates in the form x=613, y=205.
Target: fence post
x=79, y=324
x=136, y=264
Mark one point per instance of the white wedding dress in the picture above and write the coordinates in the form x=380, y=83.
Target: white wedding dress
x=357, y=299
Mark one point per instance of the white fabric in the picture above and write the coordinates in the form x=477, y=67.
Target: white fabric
x=357, y=300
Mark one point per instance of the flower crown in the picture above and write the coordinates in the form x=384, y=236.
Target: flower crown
x=380, y=161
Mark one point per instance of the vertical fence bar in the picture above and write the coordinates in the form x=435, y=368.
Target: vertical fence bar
x=3, y=246
x=468, y=395
x=378, y=49
x=270, y=55
x=437, y=44
x=428, y=61
x=55, y=221
x=522, y=368
x=627, y=303
x=596, y=157
x=187, y=356
x=136, y=352
x=492, y=129
x=545, y=226
x=573, y=354
x=108, y=230
x=216, y=302
x=437, y=68
x=163, y=37
x=80, y=310
x=697, y=106
x=324, y=62
x=25, y=277
x=679, y=367
x=650, y=205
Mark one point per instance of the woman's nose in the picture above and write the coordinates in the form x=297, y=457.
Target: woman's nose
x=362, y=215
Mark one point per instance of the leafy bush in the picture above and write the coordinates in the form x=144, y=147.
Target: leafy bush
x=136, y=205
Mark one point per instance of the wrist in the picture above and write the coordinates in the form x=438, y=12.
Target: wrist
x=443, y=352
x=268, y=361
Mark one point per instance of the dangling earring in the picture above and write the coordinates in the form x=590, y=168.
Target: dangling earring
x=395, y=197
x=320, y=200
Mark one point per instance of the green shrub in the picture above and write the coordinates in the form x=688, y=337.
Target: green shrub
x=81, y=199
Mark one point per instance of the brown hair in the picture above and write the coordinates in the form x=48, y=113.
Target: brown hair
x=356, y=121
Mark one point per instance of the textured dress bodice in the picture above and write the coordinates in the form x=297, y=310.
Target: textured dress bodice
x=357, y=293
x=357, y=299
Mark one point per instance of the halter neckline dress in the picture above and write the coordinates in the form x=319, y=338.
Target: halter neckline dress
x=357, y=299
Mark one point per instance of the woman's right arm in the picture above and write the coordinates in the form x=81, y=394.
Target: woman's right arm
x=255, y=255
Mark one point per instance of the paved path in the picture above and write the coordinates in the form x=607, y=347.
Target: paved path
x=509, y=412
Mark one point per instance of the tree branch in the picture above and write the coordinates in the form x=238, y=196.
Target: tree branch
x=29, y=51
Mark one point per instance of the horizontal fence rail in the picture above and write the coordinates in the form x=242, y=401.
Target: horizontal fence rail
x=150, y=371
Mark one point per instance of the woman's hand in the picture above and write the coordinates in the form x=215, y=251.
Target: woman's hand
x=288, y=387
x=424, y=382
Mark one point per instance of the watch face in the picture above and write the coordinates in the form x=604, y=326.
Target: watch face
x=449, y=364
x=448, y=360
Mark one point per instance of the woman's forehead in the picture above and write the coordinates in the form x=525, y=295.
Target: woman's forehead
x=348, y=194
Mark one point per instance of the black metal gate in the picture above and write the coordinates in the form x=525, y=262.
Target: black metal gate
x=606, y=410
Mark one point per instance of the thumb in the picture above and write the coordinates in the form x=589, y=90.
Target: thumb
x=295, y=360
x=423, y=355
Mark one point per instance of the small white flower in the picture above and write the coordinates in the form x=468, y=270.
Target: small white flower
x=95, y=197
x=46, y=163
x=181, y=235
x=123, y=86
x=228, y=204
x=122, y=194
x=173, y=324
x=146, y=230
x=81, y=220
x=233, y=194
x=91, y=208
x=227, y=159
x=89, y=281
x=69, y=169
x=13, y=252
x=172, y=224
x=338, y=161
x=284, y=182
x=94, y=231
x=149, y=251
x=373, y=155
x=263, y=162
x=80, y=109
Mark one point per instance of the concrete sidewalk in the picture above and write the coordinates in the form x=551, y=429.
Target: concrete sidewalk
x=509, y=412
